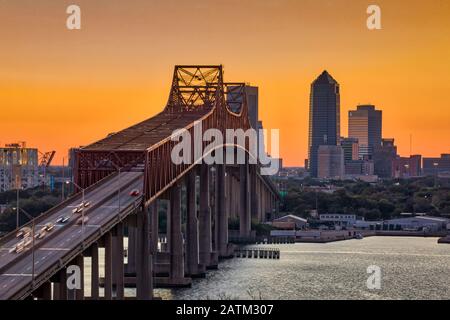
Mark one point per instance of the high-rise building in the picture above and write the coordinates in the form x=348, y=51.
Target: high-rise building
x=324, y=117
x=19, y=167
x=330, y=162
x=436, y=166
x=351, y=149
x=365, y=124
x=383, y=158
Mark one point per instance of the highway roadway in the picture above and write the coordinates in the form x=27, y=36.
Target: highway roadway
x=16, y=268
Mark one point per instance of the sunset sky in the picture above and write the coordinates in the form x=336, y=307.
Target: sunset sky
x=61, y=88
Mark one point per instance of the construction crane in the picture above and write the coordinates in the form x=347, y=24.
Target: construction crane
x=45, y=159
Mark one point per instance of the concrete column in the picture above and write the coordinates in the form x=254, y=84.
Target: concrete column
x=118, y=270
x=62, y=295
x=192, y=254
x=222, y=224
x=131, y=265
x=80, y=263
x=44, y=292
x=108, y=266
x=204, y=218
x=94, y=272
x=154, y=227
x=144, y=266
x=176, y=237
x=244, y=199
x=254, y=192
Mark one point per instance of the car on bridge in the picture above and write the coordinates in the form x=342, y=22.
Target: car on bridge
x=86, y=204
x=135, y=192
x=49, y=226
x=62, y=219
x=24, y=232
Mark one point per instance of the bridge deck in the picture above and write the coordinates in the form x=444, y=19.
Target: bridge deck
x=15, y=275
x=148, y=132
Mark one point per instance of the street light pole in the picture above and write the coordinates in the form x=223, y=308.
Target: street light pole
x=17, y=207
x=33, y=234
x=82, y=211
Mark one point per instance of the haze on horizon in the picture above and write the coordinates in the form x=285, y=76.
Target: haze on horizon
x=62, y=88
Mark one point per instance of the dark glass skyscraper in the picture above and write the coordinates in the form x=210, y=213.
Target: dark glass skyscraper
x=324, y=117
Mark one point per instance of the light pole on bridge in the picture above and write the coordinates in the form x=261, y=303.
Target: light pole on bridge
x=82, y=211
x=33, y=234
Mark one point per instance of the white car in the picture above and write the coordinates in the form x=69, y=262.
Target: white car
x=87, y=204
x=49, y=226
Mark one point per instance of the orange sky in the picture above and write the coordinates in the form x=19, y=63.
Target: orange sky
x=61, y=88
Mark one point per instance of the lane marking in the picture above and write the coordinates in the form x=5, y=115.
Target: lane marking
x=17, y=274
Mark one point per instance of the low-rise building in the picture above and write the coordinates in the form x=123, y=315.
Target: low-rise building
x=295, y=221
x=422, y=223
x=344, y=220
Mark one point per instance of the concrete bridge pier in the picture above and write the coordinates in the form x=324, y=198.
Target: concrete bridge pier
x=144, y=271
x=59, y=285
x=244, y=198
x=176, y=270
x=117, y=260
x=254, y=194
x=192, y=241
x=94, y=272
x=222, y=221
x=205, y=237
x=44, y=292
x=154, y=227
x=108, y=265
x=131, y=227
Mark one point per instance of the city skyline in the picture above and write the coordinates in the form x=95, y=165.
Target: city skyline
x=62, y=89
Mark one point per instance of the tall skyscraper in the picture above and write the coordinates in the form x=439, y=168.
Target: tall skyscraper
x=365, y=124
x=324, y=117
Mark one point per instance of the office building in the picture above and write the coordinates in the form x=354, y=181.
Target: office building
x=383, y=158
x=365, y=124
x=351, y=149
x=19, y=167
x=404, y=167
x=436, y=166
x=324, y=118
x=330, y=162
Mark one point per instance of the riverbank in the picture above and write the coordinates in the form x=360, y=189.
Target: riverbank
x=327, y=236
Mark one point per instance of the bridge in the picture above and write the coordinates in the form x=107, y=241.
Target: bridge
x=129, y=181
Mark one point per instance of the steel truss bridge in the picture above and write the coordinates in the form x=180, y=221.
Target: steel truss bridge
x=197, y=200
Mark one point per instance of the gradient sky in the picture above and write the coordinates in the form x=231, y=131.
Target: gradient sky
x=62, y=88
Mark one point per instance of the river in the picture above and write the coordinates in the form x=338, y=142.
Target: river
x=411, y=268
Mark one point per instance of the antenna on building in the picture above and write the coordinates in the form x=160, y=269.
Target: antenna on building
x=410, y=145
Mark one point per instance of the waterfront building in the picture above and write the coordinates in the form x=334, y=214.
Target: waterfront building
x=324, y=118
x=422, y=223
x=365, y=124
x=290, y=219
x=343, y=220
x=330, y=162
